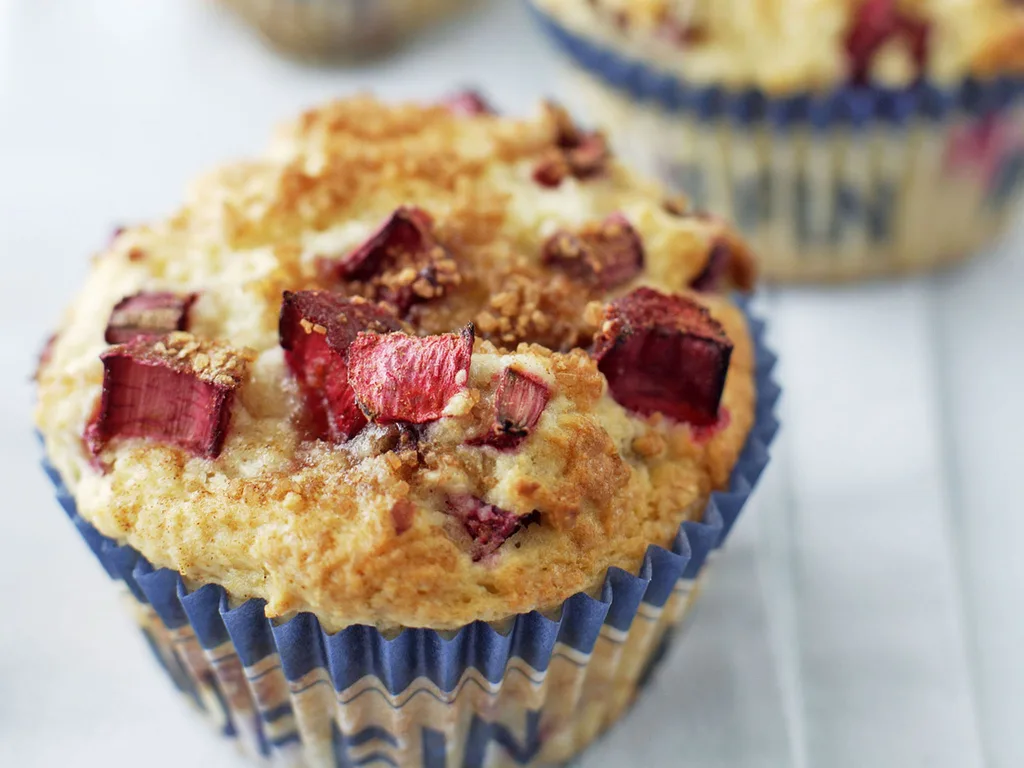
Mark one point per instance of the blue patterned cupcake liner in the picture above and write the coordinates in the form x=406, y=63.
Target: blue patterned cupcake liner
x=338, y=28
x=856, y=182
x=536, y=690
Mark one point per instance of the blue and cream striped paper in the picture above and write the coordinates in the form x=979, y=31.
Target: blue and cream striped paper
x=536, y=691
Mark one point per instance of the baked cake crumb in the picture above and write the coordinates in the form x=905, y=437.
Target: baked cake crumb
x=339, y=441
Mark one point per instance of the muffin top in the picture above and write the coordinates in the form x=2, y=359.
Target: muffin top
x=786, y=46
x=416, y=366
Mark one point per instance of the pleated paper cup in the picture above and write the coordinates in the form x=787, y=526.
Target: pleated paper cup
x=536, y=690
x=320, y=29
x=857, y=183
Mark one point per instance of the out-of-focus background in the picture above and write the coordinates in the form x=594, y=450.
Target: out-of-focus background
x=867, y=612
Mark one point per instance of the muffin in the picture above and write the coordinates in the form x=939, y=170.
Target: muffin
x=339, y=28
x=423, y=401
x=846, y=138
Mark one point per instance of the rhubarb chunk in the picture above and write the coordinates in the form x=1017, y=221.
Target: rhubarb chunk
x=175, y=389
x=664, y=354
x=487, y=525
x=567, y=134
x=681, y=32
x=519, y=402
x=584, y=160
x=402, y=262
x=467, y=104
x=730, y=263
x=713, y=276
x=316, y=330
x=588, y=156
x=551, y=170
x=403, y=513
x=877, y=23
x=577, y=153
x=407, y=230
x=400, y=378
x=148, y=315
x=608, y=254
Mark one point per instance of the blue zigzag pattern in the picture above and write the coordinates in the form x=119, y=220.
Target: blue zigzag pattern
x=357, y=652
x=853, y=106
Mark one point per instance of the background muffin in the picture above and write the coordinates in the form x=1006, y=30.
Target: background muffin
x=416, y=369
x=339, y=28
x=846, y=138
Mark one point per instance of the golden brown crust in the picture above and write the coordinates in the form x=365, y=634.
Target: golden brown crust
x=359, y=532
x=1003, y=50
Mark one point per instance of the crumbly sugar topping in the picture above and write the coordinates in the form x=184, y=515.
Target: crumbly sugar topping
x=404, y=425
x=208, y=360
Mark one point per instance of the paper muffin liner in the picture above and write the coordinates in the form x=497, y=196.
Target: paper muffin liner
x=533, y=691
x=859, y=182
x=339, y=28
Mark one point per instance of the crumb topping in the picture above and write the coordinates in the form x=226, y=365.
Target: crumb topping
x=207, y=360
x=331, y=434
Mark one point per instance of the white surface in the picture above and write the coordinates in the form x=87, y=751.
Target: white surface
x=867, y=613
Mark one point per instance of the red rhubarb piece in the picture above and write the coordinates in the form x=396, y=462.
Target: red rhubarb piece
x=581, y=154
x=402, y=260
x=730, y=263
x=406, y=230
x=567, y=135
x=175, y=389
x=704, y=435
x=403, y=513
x=400, y=378
x=664, y=354
x=148, y=315
x=551, y=170
x=609, y=254
x=713, y=276
x=467, y=104
x=583, y=159
x=487, y=525
x=876, y=23
x=589, y=156
x=519, y=402
x=316, y=330
x=680, y=32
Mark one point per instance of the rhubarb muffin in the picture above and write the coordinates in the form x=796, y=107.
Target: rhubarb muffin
x=846, y=138
x=421, y=395
x=339, y=29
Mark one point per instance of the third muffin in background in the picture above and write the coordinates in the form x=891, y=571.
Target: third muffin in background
x=847, y=138
x=319, y=29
